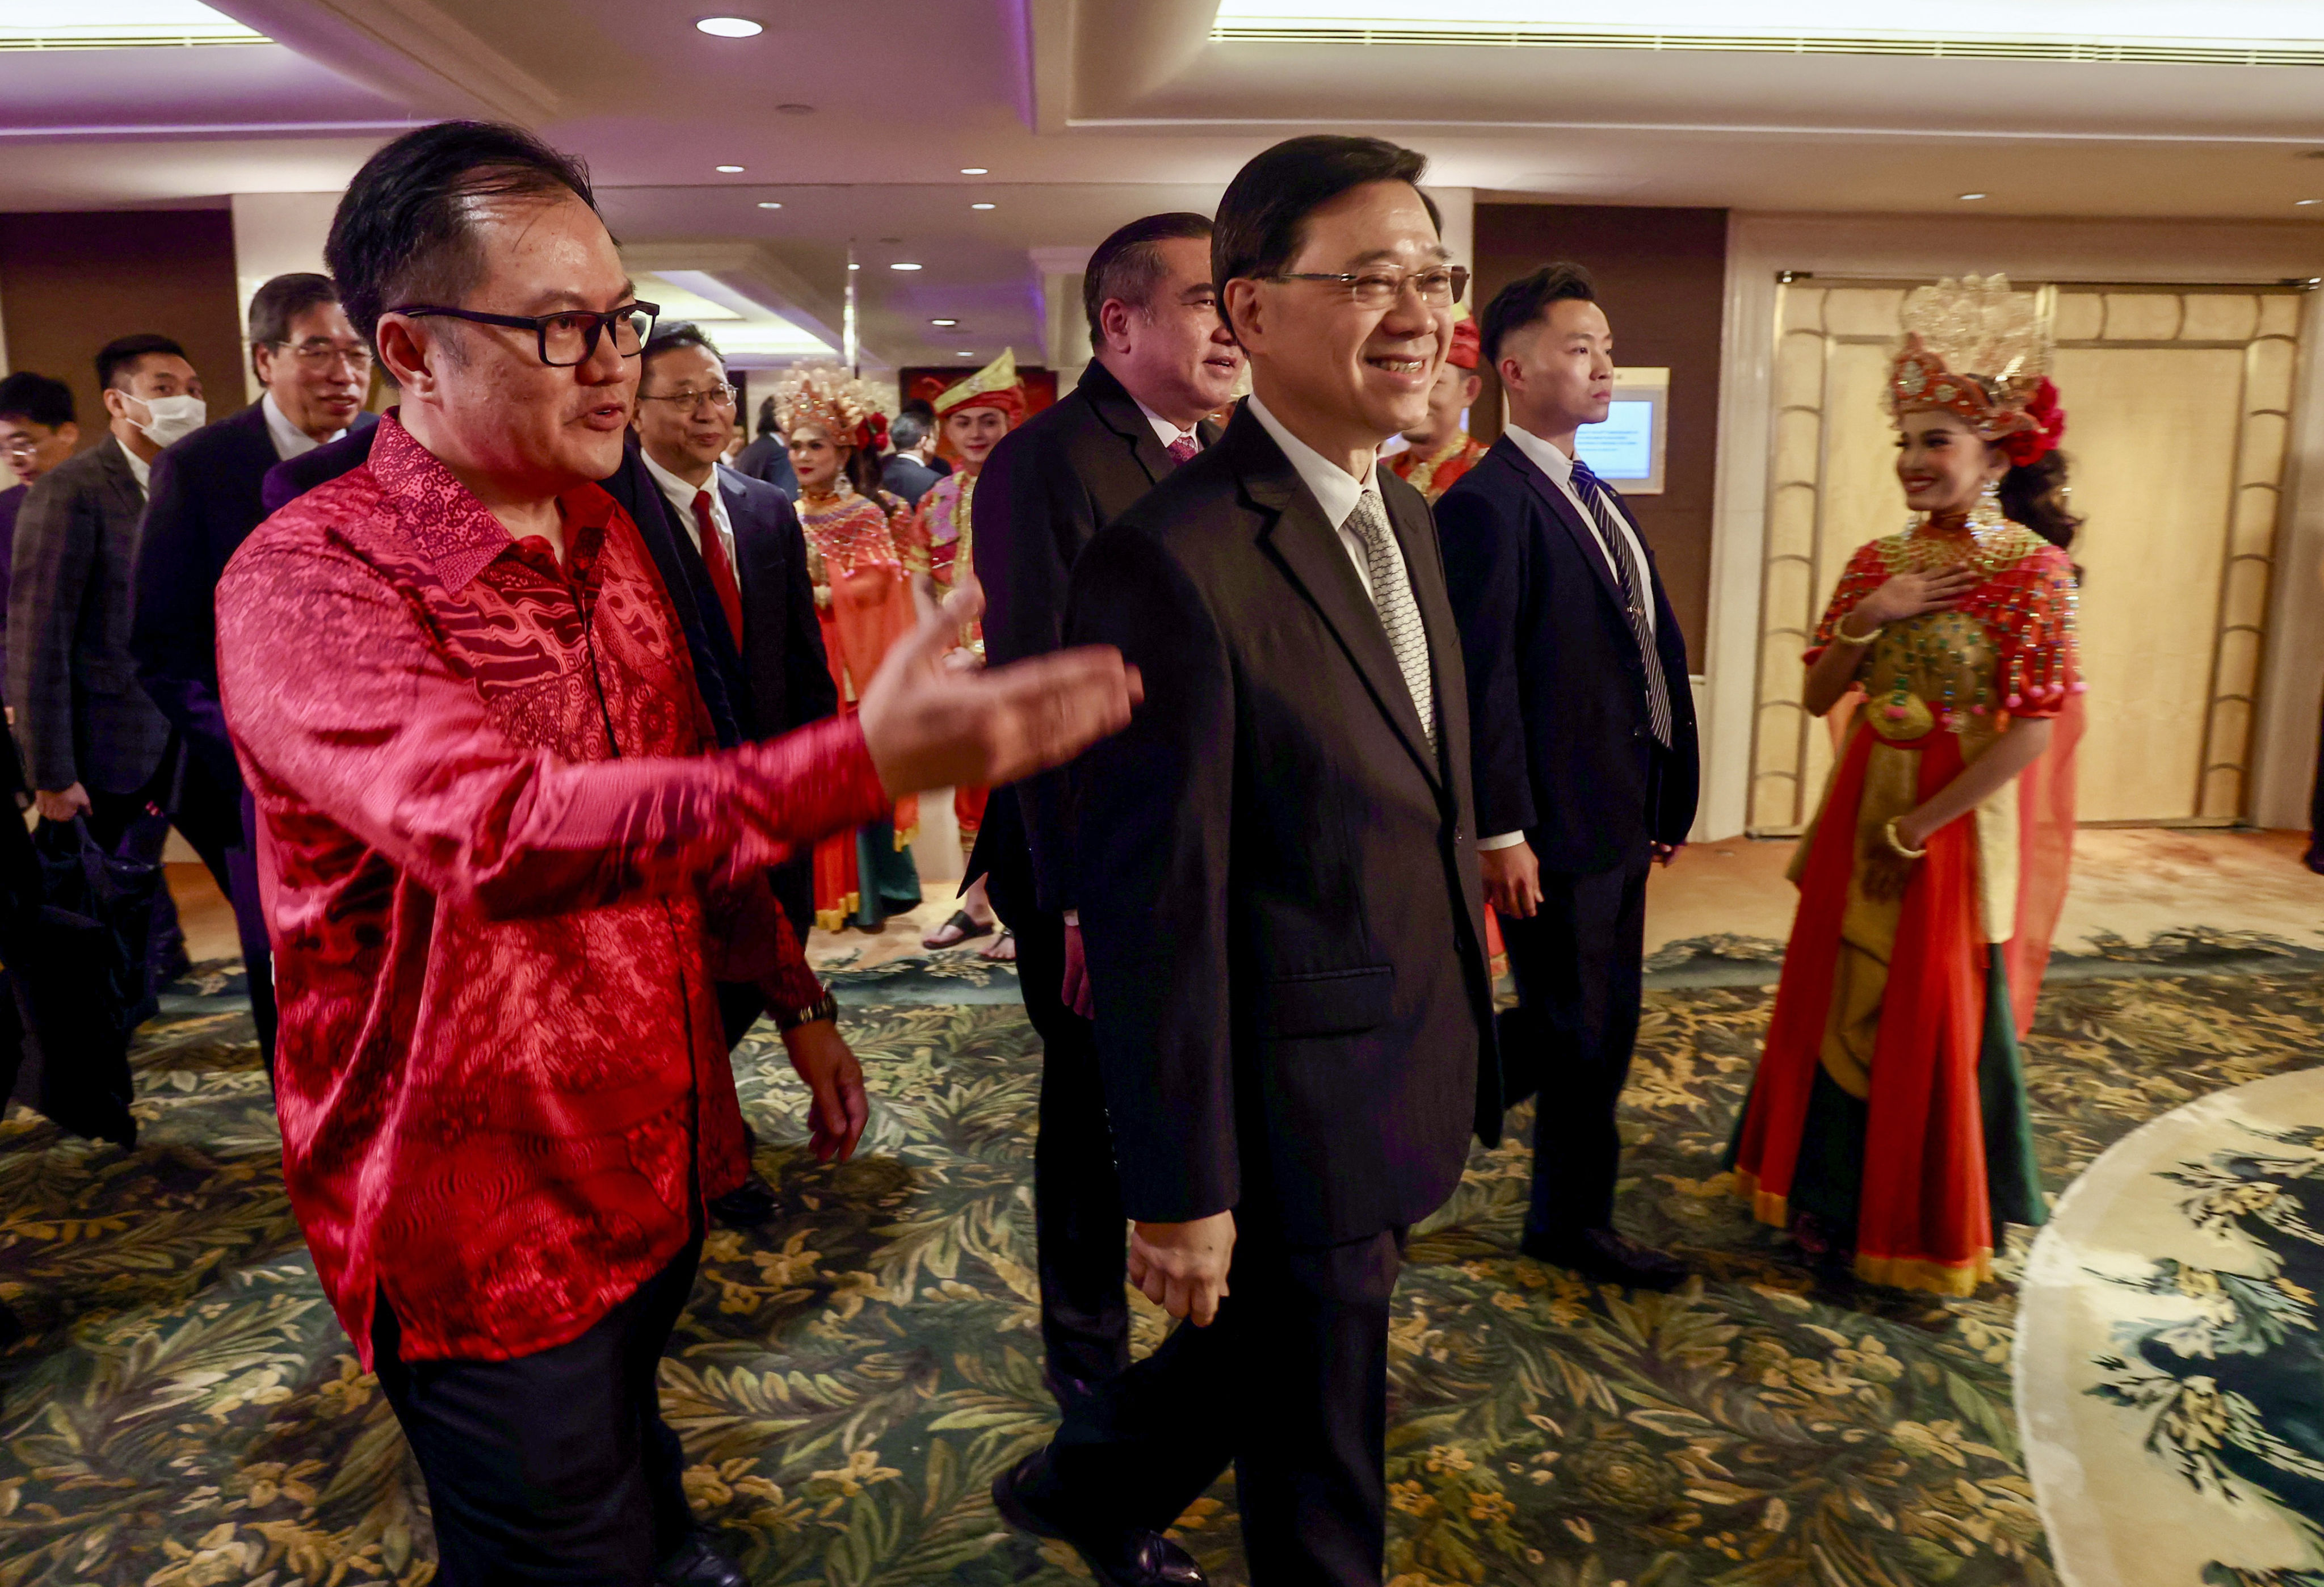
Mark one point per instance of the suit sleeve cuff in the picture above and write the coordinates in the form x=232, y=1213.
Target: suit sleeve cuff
x=1502, y=840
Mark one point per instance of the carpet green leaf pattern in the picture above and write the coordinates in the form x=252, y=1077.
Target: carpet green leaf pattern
x=187, y=1412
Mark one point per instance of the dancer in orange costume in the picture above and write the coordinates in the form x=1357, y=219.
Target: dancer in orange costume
x=1887, y=1120
x=1442, y=453
x=864, y=600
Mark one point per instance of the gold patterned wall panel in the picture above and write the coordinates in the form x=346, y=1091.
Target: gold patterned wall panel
x=2151, y=437
x=2179, y=400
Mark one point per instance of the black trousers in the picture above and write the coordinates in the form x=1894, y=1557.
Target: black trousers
x=1578, y=965
x=1077, y=1217
x=554, y=1467
x=1289, y=1385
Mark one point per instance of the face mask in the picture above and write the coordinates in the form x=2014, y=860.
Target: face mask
x=172, y=419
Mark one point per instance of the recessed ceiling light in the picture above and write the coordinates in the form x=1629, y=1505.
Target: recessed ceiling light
x=731, y=169
x=984, y=206
x=964, y=353
x=1968, y=197
x=729, y=27
x=2304, y=203
x=795, y=109
x=974, y=170
x=769, y=204
x=851, y=265
x=944, y=322
x=903, y=266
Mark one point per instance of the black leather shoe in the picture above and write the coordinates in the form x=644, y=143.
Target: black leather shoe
x=1609, y=1257
x=1135, y=1558
x=696, y=1564
x=748, y=1205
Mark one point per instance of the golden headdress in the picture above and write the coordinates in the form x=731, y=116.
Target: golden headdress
x=993, y=386
x=830, y=398
x=1981, y=351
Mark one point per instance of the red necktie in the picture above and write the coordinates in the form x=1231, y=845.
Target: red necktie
x=1184, y=448
x=722, y=572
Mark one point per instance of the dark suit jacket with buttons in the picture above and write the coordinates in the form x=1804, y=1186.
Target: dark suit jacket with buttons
x=207, y=495
x=1278, y=880
x=1557, y=692
x=782, y=639
x=81, y=714
x=1051, y=484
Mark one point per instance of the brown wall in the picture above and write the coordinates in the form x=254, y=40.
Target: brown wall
x=1661, y=277
x=71, y=282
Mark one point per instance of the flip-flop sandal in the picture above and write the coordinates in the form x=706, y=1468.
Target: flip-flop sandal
x=959, y=929
x=993, y=953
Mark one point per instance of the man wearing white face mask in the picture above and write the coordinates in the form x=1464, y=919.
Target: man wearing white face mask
x=94, y=744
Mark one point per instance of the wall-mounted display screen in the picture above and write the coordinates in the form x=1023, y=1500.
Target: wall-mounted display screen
x=1627, y=449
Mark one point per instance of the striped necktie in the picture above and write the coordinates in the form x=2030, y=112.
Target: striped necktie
x=1636, y=589
x=1399, y=613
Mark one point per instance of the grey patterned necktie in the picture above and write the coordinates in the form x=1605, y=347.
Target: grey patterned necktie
x=1631, y=579
x=1398, y=612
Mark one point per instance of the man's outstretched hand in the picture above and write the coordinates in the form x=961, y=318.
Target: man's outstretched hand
x=932, y=723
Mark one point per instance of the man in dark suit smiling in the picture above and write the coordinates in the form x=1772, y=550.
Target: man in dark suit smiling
x=1163, y=360
x=1279, y=898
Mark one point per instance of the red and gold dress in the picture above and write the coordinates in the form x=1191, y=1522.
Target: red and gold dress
x=1433, y=474
x=1891, y=1096
x=864, y=598
x=937, y=540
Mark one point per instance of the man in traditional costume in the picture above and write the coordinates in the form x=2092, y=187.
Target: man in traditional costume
x=1440, y=454
x=974, y=414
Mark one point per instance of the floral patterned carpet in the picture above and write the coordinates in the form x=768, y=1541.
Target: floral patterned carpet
x=186, y=1413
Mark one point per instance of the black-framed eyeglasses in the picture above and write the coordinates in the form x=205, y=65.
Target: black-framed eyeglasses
x=1439, y=285
x=720, y=395
x=566, y=338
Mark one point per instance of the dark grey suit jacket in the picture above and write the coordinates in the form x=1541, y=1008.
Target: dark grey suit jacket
x=1051, y=484
x=1276, y=874
x=81, y=714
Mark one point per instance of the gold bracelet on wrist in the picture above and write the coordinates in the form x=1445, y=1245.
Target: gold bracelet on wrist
x=1897, y=843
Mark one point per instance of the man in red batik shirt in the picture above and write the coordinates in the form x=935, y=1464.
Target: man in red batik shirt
x=501, y=872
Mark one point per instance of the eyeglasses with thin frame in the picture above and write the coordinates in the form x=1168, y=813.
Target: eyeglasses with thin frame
x=720, y=395
x=1439, y=285
x=320, y=354
x=566, y=338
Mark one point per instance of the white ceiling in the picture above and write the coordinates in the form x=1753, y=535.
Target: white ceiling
x=1089, y=112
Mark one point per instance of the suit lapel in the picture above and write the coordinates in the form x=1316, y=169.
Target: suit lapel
x=1119, y=411
x=1310, y=550
x=1585, y=538
x=128, y=501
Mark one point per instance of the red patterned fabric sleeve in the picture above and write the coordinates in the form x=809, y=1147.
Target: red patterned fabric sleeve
x=334, y=693
x=2030, y=608
x=1865, y=573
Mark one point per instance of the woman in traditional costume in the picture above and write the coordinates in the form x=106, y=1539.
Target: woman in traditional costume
x=864, y=598
x=939, y=541
x=1888, y=1120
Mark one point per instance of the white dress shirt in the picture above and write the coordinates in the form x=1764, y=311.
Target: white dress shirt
x=290, y=441
x=142, y=470
x=1559, y=469
x=1164, y=430
x=1335, y=490
x=681, y=497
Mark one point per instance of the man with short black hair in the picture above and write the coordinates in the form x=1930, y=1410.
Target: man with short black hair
x=908, y=473
x=768, y=458
x=1583, y=728
x=1279, y=897
x=503, y=871
x=37, y=432
x=1163, y=358
x=206, y=498
x=95, y=745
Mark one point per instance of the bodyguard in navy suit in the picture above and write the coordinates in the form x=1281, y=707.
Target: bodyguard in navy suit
x=1583, y=744
x=207, y=495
